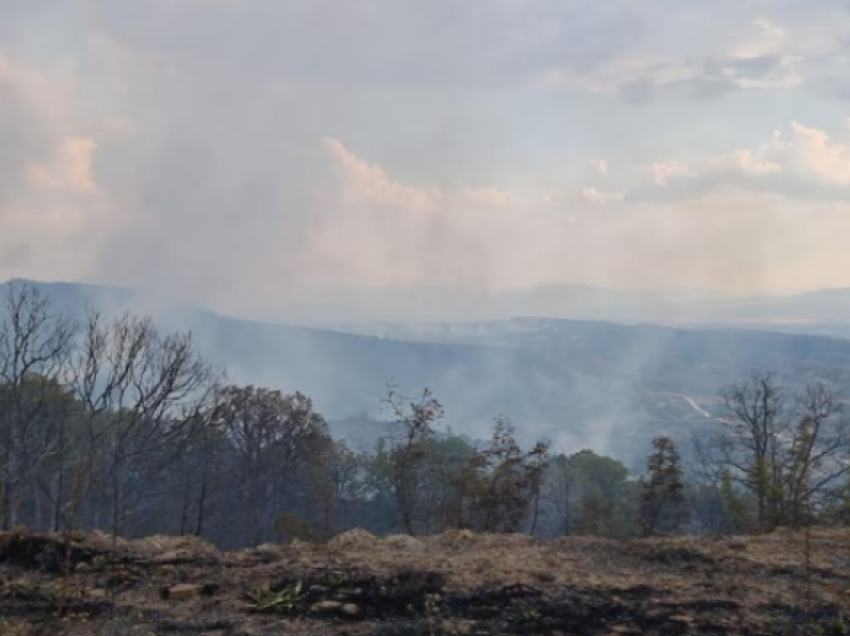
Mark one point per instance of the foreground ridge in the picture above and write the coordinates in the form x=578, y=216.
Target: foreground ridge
x=454, y=583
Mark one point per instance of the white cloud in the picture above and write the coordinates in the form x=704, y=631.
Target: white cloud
x=766, y=159
x=663, y=172
x=203, y=150
x=808, y=155
x=53, y=215
x=748, y=162
x=595, y=196
x=811, y=162
x=819, y=156
x=366, y=182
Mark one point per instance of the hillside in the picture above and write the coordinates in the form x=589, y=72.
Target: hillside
x=359, y=306
x=580, y=383
x=455, y=583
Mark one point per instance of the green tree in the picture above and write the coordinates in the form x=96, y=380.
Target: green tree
x=599, y=490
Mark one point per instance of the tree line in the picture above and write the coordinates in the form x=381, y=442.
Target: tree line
x=107, y=423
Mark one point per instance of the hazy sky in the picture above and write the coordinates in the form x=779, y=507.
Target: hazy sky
x=237, y=149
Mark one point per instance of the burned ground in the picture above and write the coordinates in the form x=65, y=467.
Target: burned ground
x=455, y=583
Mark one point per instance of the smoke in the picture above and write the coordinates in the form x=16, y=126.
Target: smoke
x=251, y=157
x=309, y=161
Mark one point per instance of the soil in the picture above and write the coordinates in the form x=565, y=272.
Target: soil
x=454, y=583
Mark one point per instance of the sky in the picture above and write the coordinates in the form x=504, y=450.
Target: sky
x=243, y=152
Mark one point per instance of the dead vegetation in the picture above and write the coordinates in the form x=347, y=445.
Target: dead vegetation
x=454, y=583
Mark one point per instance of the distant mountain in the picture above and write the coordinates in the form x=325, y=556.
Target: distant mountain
x=445, y=304
x=427, y=312
x=824, y=312
x=581, y=383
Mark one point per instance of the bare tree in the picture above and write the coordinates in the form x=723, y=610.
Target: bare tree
x=503, y=484
x=817, y=453
x=144, y=395
x=411, y=430
x=784, y=450
x=753, y=440
x=722, y=508
x=34, y=347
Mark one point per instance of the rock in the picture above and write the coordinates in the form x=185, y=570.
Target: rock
x=350, y=610
x=326, y=607
x=97, y=593
x=184, y=591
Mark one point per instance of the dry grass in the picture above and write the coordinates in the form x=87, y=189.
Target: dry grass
x=451, y=583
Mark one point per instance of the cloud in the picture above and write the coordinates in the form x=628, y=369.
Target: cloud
x=641, y=78
x=463, y=144
x=819, y=156
x=520, y=240
x=759, y=48
x=70, y=168
x=624, y=75
x=765, y=160
x=595, y=196
x=488, y=197
x=365, y=182
x=53, y=216
x=769, y=28
x=808, y=163
x=750, y=163
x=663, y=173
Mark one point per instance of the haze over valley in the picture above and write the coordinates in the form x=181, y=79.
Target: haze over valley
x=558, y=211
x=580, y=383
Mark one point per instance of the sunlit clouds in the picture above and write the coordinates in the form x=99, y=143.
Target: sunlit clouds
x=242, y=154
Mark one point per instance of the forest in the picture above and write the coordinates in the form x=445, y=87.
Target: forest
x=108, y=424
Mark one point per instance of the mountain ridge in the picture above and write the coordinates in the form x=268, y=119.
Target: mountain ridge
x=581, y=383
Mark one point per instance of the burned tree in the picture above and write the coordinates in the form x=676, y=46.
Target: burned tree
x=789, y=452
x=144, y=396
x=273, y=439
x=663, y=504
x=410, y=434
x=34, y=347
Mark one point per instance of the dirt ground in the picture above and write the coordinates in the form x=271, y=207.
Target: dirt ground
x=454, y=583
